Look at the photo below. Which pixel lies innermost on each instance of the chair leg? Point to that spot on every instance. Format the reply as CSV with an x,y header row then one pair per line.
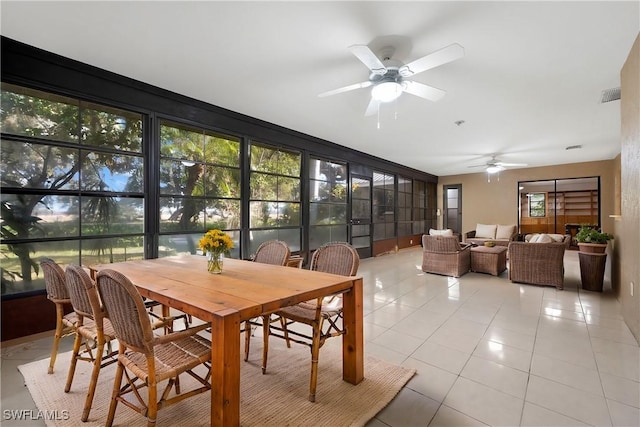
x,y
283,324
74,360
93,383
117,381
315,352
247,339
265,341
166,312
177,384
152,405
56,337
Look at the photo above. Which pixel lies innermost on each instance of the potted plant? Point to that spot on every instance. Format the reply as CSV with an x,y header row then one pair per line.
x,y
591,240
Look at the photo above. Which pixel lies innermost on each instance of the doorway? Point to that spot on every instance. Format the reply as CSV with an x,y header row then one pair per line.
x,y
452,204
360,224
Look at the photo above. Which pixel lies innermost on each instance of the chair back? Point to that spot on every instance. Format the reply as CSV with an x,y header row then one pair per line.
x,y
441,244
336,258
54,280
83,294
124,307
273,252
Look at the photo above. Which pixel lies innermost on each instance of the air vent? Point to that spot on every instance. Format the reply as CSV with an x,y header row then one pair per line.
x,y
574,147
609,95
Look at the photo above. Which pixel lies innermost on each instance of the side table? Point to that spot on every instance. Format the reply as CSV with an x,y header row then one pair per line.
x,y
489,260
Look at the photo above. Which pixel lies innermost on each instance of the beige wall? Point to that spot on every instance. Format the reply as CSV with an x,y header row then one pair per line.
x,y
496,202
629,233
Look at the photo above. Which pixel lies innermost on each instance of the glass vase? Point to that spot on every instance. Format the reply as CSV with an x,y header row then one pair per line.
x,y
215,262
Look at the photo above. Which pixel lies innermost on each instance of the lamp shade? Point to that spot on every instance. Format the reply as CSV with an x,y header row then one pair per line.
x,y
386,92
494,169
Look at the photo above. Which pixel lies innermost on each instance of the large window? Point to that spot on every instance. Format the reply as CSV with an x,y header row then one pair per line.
x,y
419,207
327,202
143,175
199,187
383,206
72,184
274,200
405,196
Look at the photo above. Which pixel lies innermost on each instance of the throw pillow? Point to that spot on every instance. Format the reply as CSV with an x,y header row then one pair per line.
x,y
485,231
557,237
447,232
531,238
541,238
505,231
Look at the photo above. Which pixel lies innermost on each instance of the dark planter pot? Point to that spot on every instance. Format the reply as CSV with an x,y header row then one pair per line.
x,y
592,266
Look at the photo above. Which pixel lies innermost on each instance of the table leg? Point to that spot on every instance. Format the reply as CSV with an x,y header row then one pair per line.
x,y
353,339
225,369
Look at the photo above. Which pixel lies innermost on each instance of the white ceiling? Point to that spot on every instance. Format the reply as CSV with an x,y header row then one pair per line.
x,y
529,85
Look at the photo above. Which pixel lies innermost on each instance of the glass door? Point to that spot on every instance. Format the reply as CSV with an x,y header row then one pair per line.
x,y
453,208
559,206
360,224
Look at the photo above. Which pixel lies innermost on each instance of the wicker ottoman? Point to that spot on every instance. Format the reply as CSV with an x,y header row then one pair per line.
x,y
489,260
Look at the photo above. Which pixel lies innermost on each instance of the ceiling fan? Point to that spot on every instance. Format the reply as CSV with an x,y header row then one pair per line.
x,y
389,77
495,166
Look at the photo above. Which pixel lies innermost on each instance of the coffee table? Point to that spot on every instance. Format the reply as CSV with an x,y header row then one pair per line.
x,y
489,260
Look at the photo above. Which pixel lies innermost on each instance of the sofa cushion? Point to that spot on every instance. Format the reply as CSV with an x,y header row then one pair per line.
x,y
505,231
447,232
486,231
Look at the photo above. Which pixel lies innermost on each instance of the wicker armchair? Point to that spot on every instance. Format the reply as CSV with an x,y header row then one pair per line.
x,y
58,294
274,252
148,359
445,255
324,315
537,263
93,329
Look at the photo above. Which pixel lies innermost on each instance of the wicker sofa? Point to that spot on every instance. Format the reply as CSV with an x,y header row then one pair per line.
x,y
445,255
500,234
537,263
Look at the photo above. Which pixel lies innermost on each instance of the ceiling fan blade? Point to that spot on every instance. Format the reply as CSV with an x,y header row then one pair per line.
x,y
423,91
345,89
511,164
368,58
435,59
372,108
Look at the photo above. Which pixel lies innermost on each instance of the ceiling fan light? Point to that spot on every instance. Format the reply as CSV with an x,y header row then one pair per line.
x,y
493,169
386,92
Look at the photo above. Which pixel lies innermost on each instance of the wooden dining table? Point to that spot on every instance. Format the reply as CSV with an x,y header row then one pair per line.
x,y
243,291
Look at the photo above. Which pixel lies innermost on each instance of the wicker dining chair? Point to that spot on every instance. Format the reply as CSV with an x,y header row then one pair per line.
x,y
57,293
164,319
274,252
93,332
324,315
146,360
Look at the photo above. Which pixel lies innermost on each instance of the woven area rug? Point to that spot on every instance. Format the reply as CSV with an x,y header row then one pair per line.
x,y
278,398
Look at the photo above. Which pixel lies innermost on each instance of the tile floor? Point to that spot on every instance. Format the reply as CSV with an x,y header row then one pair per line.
x,y
487,351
